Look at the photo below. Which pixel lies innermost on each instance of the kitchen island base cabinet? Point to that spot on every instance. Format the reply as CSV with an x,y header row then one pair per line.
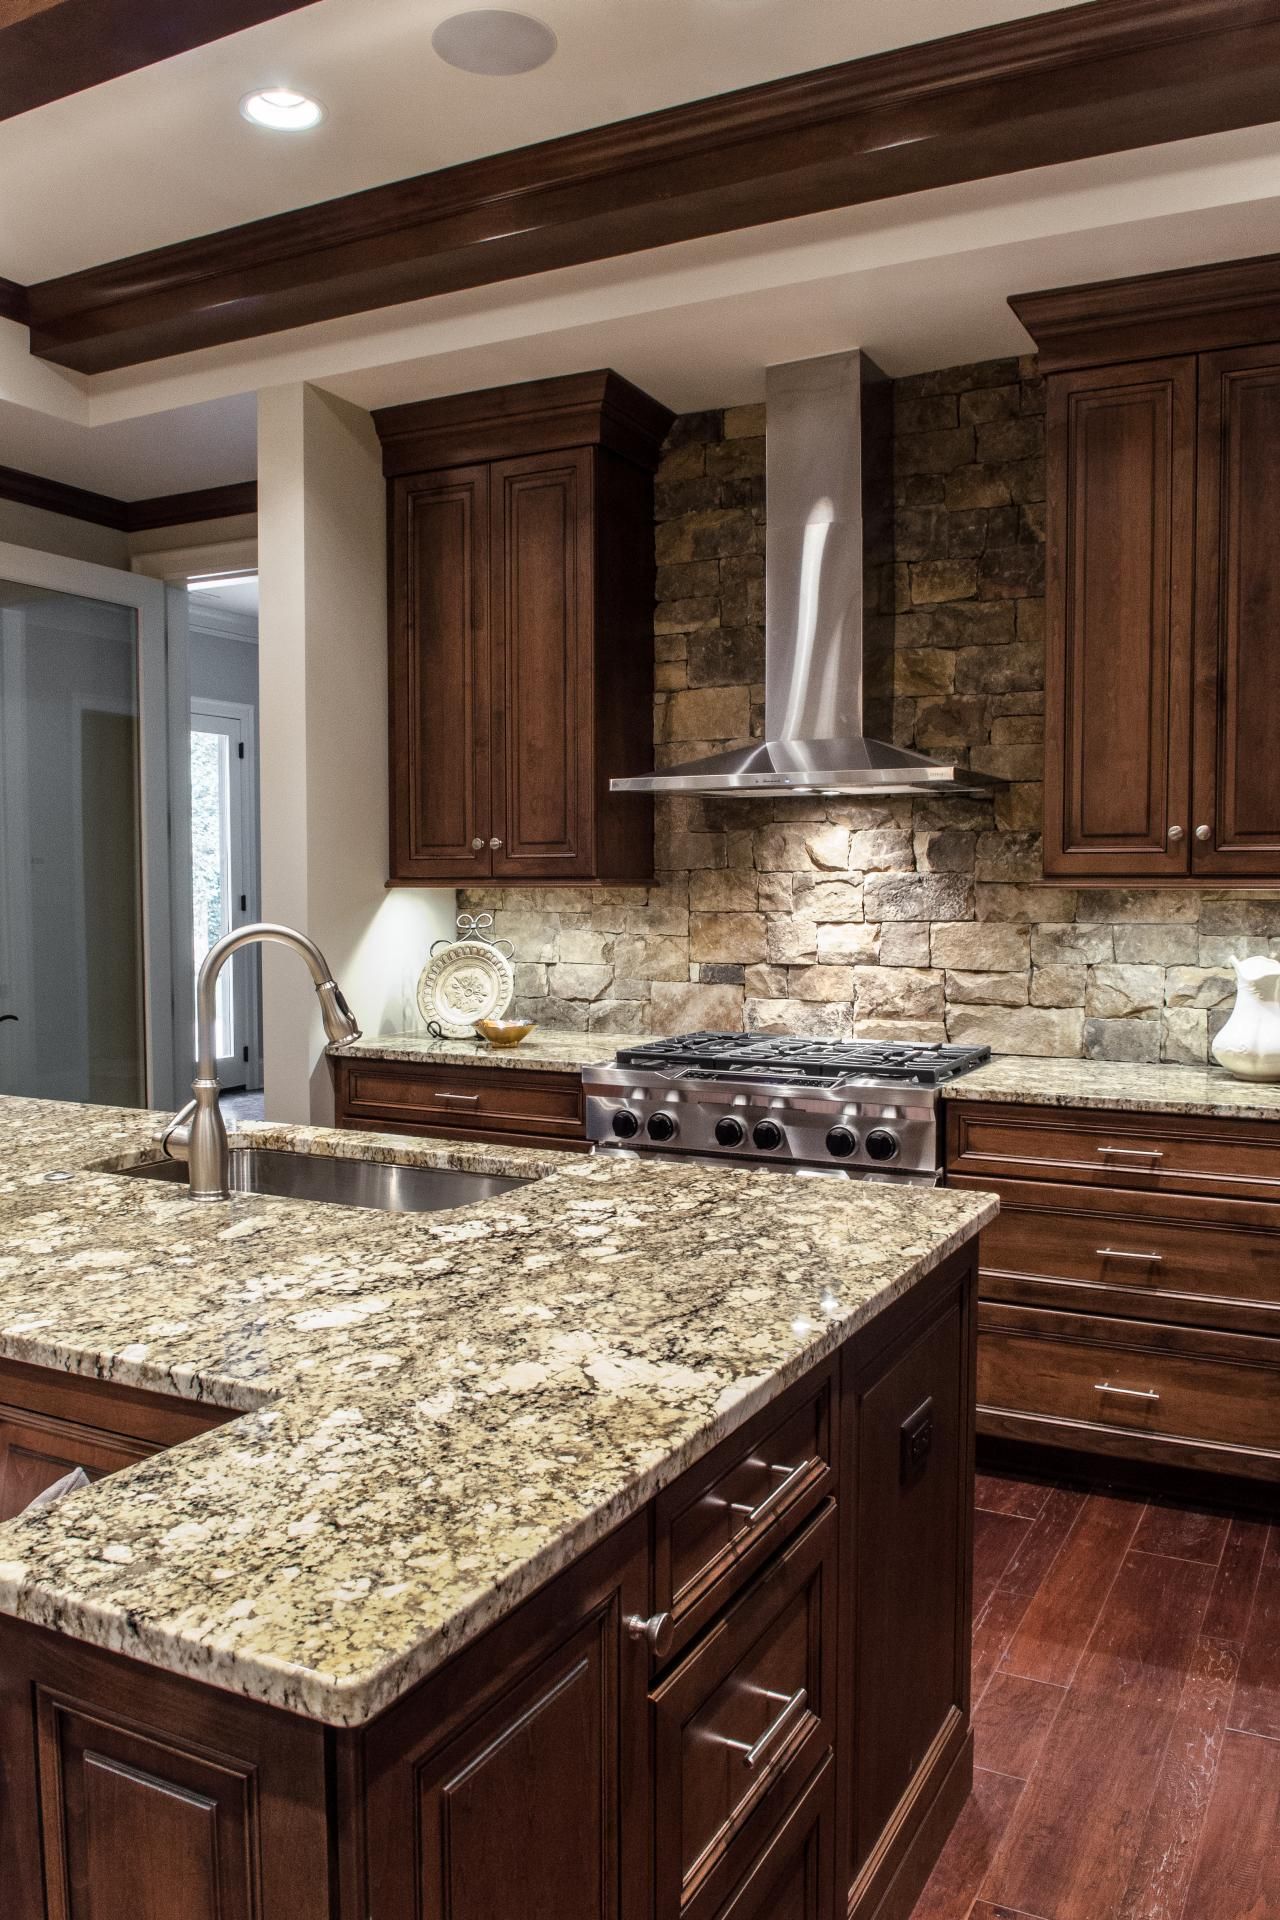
x,y
662,1732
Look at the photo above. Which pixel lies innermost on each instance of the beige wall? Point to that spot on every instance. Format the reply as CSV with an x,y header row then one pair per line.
x,y
323,689
23,526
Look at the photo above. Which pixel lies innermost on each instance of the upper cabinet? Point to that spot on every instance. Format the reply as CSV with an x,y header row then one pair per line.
x,y
1163,580
521,610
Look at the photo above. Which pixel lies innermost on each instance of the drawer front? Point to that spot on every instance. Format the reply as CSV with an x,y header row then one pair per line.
x,y
1135,1256
1149,1153
743,1720
1148,1393
502,1100
792,1878
722,1519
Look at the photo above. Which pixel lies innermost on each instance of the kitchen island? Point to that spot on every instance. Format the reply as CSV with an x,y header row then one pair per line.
x,y
602,1549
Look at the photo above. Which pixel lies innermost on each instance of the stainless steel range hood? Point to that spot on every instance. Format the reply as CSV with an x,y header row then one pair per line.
x,y
828,602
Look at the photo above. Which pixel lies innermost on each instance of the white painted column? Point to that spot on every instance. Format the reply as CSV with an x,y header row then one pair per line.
x,y
323,715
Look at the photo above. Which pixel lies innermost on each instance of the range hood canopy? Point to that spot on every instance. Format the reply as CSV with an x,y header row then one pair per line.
x,y
828,602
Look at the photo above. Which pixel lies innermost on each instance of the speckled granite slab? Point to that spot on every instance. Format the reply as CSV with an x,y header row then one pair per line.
x,y
438,1411
550,1051
1118,1087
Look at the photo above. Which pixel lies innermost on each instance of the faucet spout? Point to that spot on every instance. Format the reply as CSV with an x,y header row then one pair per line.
x,y
198,1134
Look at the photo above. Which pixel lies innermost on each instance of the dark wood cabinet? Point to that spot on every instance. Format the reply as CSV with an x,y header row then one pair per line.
x,y
512,1106
1162,578
521,619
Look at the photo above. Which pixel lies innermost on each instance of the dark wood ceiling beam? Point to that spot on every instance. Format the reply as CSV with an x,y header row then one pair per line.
x,y
1099,78
127,516
51,48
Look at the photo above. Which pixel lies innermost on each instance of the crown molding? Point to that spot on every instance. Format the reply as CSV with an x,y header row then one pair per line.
x,y
126,516
1192,310
535,416
51,48
1103,77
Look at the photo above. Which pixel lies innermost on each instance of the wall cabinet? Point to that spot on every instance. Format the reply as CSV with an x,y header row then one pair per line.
x,y
676,1727
1162,583
521,631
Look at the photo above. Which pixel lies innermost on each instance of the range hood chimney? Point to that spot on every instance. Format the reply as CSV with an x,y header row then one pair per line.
x,y
828,602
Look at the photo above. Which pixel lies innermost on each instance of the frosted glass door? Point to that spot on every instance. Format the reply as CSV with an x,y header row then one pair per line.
x,y
72,988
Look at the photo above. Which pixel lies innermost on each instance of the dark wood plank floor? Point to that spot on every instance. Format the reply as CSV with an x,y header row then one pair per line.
x,y
1126,1685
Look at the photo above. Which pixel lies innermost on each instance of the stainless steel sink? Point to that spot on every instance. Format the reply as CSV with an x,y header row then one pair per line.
x,y
346,1183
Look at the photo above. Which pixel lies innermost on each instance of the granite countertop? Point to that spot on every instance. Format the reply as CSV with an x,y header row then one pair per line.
x,y
437,1411
1119,1087
548,1052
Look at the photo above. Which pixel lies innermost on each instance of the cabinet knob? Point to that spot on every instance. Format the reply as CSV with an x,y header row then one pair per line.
x,y
1175,833
476,845
1204,833
495,844
659,1630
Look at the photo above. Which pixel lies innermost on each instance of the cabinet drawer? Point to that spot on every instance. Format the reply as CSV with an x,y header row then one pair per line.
x,y
1137,1391
743,1720
793,1877
476,1100
723,1518
1153,1153
1140,1256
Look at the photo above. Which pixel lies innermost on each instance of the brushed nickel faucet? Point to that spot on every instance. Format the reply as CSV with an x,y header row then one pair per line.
x,y
198,1133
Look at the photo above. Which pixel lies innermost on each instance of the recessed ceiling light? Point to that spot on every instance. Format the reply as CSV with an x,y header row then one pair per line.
x,y
492,41
282,109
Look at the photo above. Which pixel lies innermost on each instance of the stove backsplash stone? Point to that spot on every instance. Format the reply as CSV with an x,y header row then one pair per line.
x,y
894,919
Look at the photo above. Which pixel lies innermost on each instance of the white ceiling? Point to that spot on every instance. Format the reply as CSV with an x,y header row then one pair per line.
x,y
163,154
239,596
212,444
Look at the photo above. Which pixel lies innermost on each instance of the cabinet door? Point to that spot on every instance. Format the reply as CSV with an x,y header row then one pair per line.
x,y
439,691
1236,813
1119,597
518,1784
542,593
34,1453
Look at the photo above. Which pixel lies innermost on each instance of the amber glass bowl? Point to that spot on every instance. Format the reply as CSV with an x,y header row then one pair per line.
x,y
504,1033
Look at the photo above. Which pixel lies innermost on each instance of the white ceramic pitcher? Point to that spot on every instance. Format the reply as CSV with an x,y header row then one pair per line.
x,y
1249,1044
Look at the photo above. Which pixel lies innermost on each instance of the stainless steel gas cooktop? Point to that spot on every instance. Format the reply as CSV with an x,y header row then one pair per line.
x,y
863,1109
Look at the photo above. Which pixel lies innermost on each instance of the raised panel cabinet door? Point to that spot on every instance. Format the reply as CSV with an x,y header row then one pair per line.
x,y
1236,810
518,1781
1121,491
34,1453
439,691
542,599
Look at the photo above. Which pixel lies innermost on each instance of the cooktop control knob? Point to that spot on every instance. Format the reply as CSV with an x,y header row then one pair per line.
x,y
730,1132
767,1134
841,1142
625,1124
662,1126
881,1144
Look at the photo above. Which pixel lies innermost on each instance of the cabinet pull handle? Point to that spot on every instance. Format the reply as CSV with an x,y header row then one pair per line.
x,y
476,845
1131,1153
1204,833
1127,1393
1119,1253
1175,833
659,1631
790,1478
460,1099
495,844
794,1705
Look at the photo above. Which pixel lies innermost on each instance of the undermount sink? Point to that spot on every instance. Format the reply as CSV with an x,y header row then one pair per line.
x,y
346,1183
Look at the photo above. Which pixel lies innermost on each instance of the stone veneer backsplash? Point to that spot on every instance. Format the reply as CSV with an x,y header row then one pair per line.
x,y
901,918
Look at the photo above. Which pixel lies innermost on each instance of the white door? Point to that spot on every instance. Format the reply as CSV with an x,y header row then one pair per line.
x,y
224,882
87,900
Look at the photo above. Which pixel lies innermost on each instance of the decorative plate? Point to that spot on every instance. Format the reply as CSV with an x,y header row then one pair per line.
x,y
466,981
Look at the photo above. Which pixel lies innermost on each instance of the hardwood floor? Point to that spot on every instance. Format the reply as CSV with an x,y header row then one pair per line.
x,y
1126,1713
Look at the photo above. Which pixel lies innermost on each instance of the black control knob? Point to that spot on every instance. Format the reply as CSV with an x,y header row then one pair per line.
x,y
881,1144
730,1132
625,1124
842,1142
767,1134
662,1126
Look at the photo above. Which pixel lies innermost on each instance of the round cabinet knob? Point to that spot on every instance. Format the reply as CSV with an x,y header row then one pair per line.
x,y
495,844
476,845
730,1133
1175,833
662,1126
659,1630
767,1134
841,1142
881,1144
625,1124
1204,833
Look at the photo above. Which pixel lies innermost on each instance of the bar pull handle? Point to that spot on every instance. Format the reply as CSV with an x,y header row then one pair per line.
x,y
460,1099
793,1706
1128,1393
791,1477
1131,1153
1120,1253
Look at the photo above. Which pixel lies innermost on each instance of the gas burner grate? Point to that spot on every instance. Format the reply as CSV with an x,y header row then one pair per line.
x,y
799,1060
